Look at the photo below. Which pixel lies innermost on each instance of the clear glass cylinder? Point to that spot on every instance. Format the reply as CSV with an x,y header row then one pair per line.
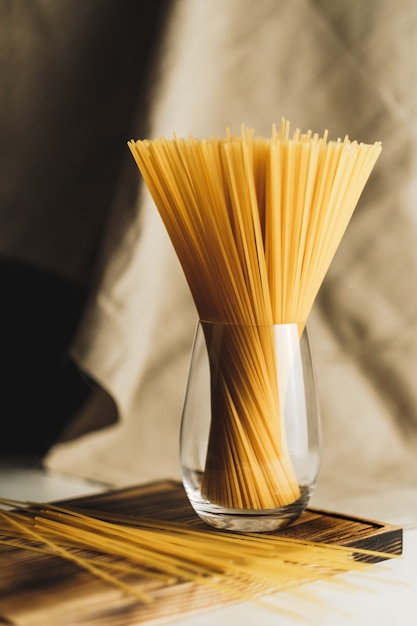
x,y
250,428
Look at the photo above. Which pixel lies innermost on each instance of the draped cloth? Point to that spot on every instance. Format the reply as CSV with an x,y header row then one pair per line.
x,y
347,67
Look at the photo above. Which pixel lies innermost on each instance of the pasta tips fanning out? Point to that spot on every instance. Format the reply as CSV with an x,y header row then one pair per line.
x,y
255,223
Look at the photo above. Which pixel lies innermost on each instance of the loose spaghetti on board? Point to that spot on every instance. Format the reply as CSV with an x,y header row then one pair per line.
x,y
139,555
255,223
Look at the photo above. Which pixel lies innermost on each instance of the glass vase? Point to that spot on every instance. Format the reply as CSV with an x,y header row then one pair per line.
x,y
250,427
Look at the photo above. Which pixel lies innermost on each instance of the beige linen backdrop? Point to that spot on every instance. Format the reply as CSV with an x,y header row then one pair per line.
x,y
349,67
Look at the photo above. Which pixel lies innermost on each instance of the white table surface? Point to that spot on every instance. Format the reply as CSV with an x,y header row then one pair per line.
x,y
388,598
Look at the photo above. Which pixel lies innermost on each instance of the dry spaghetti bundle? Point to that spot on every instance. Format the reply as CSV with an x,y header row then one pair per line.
x,y
255,223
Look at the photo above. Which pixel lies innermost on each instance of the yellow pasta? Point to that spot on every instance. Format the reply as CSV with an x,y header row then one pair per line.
x,y
137,548
255,223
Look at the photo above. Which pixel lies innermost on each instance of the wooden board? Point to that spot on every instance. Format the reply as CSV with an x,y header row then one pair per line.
x,y
41,590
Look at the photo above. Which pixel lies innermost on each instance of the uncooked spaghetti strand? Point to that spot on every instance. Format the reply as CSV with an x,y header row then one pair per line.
x,y
287,184
325,173
176,230
252,167
187,253
219,234
260,478
258,413
273,237
309,163
63,552
363,163
246,233
334,209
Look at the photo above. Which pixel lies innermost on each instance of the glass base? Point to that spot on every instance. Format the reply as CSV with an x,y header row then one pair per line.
x,y
247,521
